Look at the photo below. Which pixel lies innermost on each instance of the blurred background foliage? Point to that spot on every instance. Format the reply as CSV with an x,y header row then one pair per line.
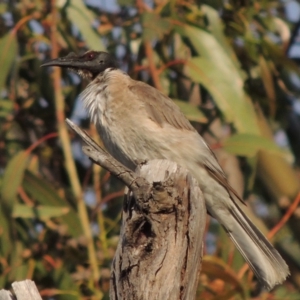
x,y
231,66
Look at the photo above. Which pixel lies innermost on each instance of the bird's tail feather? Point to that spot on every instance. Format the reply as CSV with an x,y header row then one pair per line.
x,y
264,260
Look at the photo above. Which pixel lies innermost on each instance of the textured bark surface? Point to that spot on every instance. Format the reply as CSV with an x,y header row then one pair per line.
x,y
160,249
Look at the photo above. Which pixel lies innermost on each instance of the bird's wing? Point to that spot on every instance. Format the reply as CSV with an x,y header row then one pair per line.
x,y
171,114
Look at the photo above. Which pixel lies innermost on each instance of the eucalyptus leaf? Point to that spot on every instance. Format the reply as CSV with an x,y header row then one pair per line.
x,y
83,18
8,54
13,177
45,194
41,212
216,71
248,145
154,26
190,111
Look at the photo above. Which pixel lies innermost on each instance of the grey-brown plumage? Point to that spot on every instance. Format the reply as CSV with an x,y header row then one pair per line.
x,y
137,122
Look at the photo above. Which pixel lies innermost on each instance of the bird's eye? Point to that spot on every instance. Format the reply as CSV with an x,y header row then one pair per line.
x,y
90,55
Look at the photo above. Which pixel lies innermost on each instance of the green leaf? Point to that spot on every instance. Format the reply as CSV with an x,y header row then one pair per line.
x,y
126,2
248,145
216,27
216,71
267,79
41,212
154,26
41,191
19,270
5,237
82,17
11,181
9,51
3,8
6,107
67,288
190,111
13,177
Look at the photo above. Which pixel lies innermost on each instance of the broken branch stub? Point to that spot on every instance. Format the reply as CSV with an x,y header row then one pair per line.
x,y
160,249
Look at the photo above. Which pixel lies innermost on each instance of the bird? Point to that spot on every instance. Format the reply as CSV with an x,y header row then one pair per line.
x,y
137,122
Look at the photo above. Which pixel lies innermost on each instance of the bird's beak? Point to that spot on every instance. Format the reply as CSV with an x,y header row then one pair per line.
x,y
69,61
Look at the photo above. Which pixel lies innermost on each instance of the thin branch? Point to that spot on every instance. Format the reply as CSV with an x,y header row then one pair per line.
x,y
285,218
40,141
170,64
26,199
100,157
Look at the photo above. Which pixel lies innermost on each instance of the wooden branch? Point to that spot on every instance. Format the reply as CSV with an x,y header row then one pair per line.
x,y
99,156
160,248
24,290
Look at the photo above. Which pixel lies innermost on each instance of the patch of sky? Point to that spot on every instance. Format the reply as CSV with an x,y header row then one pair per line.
x,y
8,19
110,6
79,113
90,197
259,207
36,27
43,103
292,10
75,78
296,106
79,155
211,243
117,32
281,139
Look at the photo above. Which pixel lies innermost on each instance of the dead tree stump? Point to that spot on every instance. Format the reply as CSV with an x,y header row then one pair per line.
x,y
164,216
160,248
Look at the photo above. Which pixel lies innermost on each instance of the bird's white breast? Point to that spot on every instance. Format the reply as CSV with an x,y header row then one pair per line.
x,y
94,98
104,103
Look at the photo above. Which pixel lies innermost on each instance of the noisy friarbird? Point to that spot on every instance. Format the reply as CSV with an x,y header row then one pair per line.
x,y
137,122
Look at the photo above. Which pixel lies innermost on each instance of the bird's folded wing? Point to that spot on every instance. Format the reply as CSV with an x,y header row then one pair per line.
x,y
169,113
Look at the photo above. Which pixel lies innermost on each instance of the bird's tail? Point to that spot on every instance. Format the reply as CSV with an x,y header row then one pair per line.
x,y
266,263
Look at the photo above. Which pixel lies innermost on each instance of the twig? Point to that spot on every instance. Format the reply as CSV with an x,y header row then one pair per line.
x,y
26,199
170,64
285,218
111,196
99,156
41,140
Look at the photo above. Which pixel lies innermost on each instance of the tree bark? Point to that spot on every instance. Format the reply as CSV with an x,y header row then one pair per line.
x,y
164,216
160,248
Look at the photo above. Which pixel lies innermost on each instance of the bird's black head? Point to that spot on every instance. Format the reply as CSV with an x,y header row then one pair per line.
x,y
88,65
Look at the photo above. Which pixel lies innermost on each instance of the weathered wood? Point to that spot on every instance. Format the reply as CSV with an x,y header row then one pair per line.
x,y
6,295
160,249
26,290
